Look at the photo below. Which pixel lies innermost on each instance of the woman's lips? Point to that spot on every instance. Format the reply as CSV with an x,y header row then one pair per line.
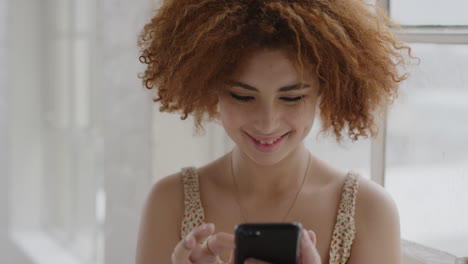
x,y
267,139
268,147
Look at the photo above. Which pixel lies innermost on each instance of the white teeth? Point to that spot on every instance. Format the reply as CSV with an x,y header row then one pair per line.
x,y
268,142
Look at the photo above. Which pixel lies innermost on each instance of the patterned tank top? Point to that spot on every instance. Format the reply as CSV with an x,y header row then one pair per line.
x,y
343,233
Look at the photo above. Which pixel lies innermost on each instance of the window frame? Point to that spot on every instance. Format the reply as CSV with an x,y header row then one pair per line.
x,y
435,34
415,34
409,34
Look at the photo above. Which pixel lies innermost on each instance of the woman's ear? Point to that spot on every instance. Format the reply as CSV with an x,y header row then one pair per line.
x,y
319,98
217,115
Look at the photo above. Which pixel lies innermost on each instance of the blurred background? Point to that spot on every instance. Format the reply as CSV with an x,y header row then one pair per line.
x,y
81,142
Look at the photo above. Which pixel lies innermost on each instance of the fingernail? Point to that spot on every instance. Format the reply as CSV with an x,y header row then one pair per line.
x,y
312,232
207,226
188,243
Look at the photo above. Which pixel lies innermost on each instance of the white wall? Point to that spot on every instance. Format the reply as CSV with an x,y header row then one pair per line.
x,y
25,112
3,118
175,146
123,108
9,253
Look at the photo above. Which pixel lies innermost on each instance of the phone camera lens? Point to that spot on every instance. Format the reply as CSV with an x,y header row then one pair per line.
x,y
250,233
244,233
254,233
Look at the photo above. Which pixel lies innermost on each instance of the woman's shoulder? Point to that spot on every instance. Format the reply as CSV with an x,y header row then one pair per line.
x,y
167,185
372,199
375,207
377,224
167,194
160,221
172,186
166,197
368,193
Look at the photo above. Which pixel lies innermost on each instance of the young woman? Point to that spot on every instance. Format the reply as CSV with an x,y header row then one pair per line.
x,y
263,69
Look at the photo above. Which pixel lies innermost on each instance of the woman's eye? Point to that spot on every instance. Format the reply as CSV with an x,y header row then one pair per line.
x,y
241,98
249,98
292,99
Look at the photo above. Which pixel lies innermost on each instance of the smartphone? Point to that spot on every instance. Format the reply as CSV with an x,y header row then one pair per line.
x,y
276,243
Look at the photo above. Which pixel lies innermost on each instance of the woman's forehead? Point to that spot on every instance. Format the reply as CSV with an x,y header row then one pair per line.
x,y
270,65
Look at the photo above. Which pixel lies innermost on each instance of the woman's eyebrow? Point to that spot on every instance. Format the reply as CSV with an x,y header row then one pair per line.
x,y
296,86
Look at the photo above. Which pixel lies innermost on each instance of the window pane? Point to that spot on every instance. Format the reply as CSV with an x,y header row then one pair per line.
x,y
427,149
429,12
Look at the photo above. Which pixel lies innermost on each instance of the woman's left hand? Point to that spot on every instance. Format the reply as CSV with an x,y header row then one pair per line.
x,y
308,253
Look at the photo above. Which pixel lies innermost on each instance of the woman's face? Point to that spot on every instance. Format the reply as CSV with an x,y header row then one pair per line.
x,y
263,110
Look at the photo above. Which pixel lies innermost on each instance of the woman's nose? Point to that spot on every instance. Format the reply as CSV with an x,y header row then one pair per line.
x,y
266,119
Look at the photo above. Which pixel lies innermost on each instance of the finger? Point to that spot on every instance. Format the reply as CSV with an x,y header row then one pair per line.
x,y
186,246
200,233
309,253
182,251
255,261
312,237
219,243
214,246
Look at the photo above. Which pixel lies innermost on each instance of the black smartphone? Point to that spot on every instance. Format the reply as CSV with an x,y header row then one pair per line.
x,y
271,242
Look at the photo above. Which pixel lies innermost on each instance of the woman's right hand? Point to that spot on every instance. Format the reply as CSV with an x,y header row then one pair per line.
x,y
191,250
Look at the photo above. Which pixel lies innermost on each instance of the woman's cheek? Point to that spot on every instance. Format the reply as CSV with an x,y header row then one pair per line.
x,y
233,115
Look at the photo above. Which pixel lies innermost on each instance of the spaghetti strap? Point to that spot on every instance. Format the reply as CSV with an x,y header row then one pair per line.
x,y
344,231
193,212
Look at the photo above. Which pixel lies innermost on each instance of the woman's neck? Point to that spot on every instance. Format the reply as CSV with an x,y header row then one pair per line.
x,y
274,180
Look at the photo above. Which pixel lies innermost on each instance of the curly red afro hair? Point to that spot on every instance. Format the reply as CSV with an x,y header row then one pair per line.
x,y
192,46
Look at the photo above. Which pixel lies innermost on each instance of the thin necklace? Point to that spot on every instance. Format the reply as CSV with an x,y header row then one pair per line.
x,y
290,207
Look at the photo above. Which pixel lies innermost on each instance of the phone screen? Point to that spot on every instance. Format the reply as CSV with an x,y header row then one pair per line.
x,y
271,242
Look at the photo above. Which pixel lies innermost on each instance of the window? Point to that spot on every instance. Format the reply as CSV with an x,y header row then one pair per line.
x,y
421,154
427,149
426,146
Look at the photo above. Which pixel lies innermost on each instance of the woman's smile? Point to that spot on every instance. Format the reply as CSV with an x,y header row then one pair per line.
x,y
268,145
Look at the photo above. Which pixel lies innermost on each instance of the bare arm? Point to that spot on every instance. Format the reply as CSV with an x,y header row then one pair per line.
x,y
377,227
160,222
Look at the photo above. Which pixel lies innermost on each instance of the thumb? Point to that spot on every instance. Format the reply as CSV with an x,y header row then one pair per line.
x,y
309,252
231,258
